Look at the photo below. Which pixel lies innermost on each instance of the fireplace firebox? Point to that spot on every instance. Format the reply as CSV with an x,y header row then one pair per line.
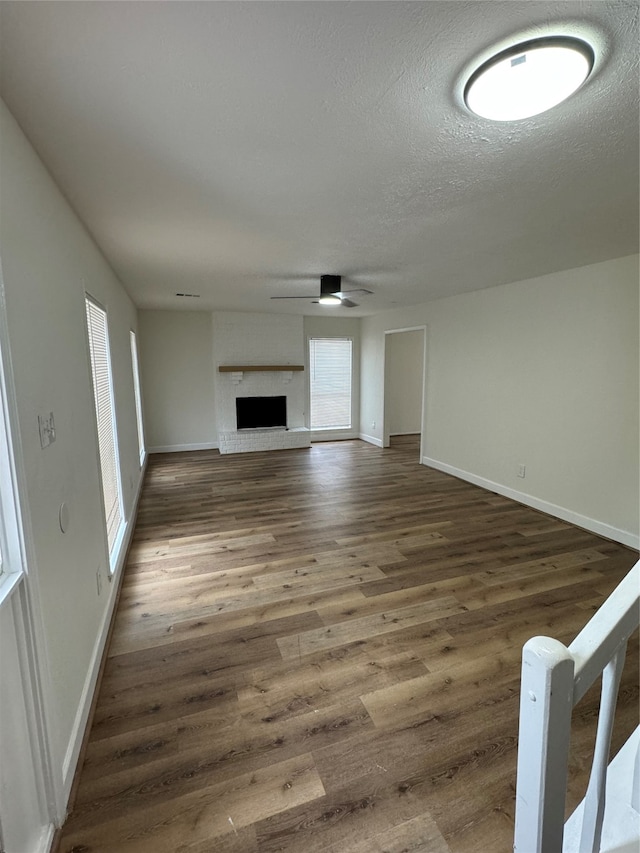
x,y
261,412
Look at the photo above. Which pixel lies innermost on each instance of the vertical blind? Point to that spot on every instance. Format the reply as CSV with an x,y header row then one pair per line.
x,y
330,383
136,391
105,416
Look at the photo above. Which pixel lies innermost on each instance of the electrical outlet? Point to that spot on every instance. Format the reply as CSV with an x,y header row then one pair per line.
x,y
373,425
99,581
522,470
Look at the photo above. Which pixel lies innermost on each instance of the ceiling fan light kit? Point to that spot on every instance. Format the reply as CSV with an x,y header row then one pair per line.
x,y
330,284
529,78
331,293
329,289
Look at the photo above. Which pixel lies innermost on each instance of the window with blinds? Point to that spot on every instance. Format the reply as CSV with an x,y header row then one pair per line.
x,y
11,534
105,417
330,383
136,391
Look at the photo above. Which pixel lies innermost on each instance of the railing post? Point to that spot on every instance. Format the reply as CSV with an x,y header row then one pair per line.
x,y
546,702
594,799
635,785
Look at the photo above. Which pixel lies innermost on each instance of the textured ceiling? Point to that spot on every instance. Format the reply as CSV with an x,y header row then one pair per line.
x,y
239,150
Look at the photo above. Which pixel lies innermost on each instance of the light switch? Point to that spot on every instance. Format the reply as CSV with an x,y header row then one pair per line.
x,y
47,429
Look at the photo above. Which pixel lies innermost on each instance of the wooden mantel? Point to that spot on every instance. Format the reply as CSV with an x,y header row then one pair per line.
x,y
244,368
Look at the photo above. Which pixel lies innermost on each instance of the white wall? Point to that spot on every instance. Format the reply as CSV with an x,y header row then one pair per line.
x,y
404,360
542,373
187,400
176,375
48,262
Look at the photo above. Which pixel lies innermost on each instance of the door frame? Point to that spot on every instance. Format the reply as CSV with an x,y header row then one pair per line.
x,y
21,595
386,438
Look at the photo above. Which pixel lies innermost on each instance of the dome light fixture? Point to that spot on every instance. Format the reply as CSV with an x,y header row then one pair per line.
x,y
529,78
330,300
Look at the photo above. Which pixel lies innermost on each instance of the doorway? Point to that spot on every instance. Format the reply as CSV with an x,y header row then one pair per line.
x,y
404,388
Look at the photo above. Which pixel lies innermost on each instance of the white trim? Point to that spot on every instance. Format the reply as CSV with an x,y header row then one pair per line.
x,y
625,537
33,702
406,329
608,629
386,437
8,582
370,439
406,432
34,643
45,842
84,707
12,554
38,655
180,448
137,394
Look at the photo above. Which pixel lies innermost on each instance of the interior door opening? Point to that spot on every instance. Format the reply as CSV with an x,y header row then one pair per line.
x,y
404,389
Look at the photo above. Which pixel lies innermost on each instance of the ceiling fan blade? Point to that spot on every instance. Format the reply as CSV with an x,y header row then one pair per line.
x,y
361,290
330,286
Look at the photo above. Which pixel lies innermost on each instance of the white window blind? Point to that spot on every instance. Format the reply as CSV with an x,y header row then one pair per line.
x,y
330,383
136,391
105,416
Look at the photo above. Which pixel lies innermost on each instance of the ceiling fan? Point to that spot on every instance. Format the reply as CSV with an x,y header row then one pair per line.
x,y
331,293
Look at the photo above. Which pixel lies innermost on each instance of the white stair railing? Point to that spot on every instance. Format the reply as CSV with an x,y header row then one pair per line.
x,y
554,679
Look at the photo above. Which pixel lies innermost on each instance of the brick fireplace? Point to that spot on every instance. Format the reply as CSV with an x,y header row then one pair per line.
x,y
258,355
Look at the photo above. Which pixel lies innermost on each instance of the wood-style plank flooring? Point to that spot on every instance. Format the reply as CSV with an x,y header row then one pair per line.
x,y
318,651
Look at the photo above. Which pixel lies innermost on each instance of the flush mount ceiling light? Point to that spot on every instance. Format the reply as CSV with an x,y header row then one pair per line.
x,y
529,78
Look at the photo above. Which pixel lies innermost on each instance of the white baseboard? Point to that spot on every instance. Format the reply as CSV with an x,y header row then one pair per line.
x,y
371,439
84,707
46,839
181,448
625,537
406,432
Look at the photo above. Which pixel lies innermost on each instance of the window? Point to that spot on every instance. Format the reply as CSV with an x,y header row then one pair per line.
x,y
11,542
105,417
330,383
136,391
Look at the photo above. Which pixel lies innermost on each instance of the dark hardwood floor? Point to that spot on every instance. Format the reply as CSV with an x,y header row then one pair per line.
x,y
319,650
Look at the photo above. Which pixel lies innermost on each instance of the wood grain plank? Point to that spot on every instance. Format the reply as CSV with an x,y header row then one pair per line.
x,y
206,813
418,835
319,652
357,629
